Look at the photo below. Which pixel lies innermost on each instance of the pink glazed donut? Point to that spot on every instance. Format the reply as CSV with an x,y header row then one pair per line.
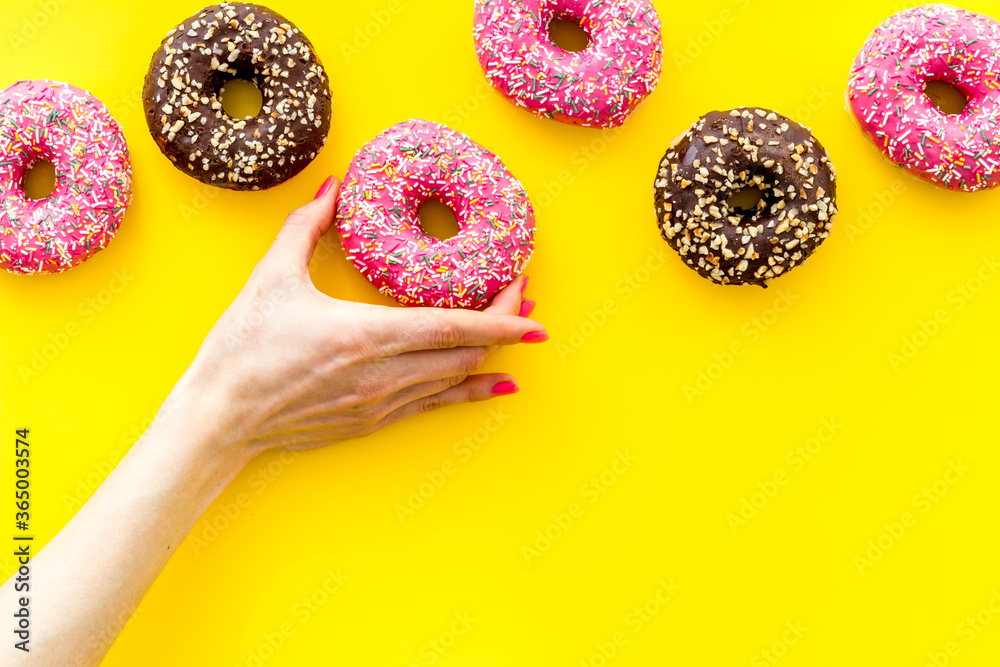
x,y
48,120
597,87
400,169
886,94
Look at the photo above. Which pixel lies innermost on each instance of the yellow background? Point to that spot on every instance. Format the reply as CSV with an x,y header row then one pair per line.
x,y
899,253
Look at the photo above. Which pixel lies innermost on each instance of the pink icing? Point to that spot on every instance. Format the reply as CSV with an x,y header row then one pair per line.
x,y
76,133
597,87
886,94
397,171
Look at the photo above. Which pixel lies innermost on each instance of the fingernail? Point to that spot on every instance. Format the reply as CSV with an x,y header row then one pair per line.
x,y
526,307
323,189
534,337
524,285
505,388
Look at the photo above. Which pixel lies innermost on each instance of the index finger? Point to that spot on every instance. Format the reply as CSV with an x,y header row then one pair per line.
x,y
399,330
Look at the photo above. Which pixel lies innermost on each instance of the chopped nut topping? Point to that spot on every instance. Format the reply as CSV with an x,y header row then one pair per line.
x,y
729,245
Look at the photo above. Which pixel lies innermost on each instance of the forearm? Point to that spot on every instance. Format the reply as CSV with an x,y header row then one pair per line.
x,y
90,578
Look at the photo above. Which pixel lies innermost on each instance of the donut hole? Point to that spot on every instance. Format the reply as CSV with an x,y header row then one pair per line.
x,y
746,201
437,219
241,98
568,34
39,180
946,97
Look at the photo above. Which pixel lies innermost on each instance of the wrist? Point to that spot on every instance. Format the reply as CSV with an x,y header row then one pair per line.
x,y
198,419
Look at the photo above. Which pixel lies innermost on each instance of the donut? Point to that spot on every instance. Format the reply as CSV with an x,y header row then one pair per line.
x,y
69,127
887,99
720,155
598,87
236,40
377,215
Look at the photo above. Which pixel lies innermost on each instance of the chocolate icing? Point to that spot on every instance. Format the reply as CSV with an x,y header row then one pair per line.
x,y
185,116
723,153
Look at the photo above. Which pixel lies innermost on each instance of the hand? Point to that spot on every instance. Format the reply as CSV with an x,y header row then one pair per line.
x,y
290,367
285,366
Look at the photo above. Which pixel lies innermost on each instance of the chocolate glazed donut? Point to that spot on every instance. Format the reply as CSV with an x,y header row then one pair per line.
x,y
720,155
184,114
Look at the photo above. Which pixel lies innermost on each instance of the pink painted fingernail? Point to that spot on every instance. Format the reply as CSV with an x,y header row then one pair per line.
x,y
524,285
534,337
323,189
526,307
505,388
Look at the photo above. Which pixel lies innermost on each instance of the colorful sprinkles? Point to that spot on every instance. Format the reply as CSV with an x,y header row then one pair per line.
x,y
400,169
185,115
723,153
886,94
58,122
597,87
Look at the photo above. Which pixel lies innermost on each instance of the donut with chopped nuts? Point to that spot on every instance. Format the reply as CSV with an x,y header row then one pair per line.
x,y
724,153
235,40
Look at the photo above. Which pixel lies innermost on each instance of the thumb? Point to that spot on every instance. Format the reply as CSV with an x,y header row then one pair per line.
x,y
304,227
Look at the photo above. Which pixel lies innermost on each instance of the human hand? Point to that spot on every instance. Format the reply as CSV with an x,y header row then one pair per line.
x,y
287,366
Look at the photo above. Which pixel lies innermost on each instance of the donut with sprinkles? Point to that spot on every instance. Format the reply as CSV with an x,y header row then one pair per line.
x,y
724,153
597,87
886,95
70,128
377,215
237,40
